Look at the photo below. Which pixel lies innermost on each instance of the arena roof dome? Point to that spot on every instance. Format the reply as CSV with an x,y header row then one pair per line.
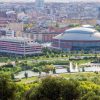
x,y
79,33
81,30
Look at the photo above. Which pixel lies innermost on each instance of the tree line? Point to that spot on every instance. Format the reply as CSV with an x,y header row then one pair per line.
x,y
49,88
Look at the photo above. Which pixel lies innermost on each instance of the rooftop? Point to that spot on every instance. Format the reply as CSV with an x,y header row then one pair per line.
x,y
81,30
14,39
79,33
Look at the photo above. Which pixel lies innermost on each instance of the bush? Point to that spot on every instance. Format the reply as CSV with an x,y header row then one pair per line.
x,y
91,96
55,88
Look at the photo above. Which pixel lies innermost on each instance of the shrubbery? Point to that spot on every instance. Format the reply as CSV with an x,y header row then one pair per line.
x,y
57,88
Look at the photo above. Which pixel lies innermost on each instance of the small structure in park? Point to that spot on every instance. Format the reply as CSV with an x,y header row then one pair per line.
x,y
73,68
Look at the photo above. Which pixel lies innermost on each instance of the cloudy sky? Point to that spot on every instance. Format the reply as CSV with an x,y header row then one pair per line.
x,y
46,0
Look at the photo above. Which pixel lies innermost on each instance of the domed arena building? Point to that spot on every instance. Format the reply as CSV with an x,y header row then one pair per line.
x,y
79,38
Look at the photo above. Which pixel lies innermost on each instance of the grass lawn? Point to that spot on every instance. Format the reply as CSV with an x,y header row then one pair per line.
x,y
87,75
28,80
78,76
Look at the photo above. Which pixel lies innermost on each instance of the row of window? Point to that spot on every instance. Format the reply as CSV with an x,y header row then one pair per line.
x,y
85,44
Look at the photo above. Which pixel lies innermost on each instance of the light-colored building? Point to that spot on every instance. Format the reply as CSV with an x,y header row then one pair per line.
x,y
42,37
15,26
6,32
39,4
80,21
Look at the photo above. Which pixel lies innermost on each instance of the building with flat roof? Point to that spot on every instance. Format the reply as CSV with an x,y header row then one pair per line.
x,y
19,46
39,4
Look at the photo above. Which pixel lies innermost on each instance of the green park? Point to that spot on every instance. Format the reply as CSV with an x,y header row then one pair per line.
x,y
33,78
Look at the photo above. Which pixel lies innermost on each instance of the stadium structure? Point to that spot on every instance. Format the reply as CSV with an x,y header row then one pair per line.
x,y
80,38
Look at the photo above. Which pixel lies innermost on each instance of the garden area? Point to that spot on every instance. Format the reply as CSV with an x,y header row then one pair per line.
x,y
46,64
34,78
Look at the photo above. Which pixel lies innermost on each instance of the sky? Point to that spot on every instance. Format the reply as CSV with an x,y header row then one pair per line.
x,y
47,0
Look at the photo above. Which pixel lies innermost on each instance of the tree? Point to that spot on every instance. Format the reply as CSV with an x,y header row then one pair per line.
x,y
7,88
12,76
9,61
37,70
54,71
98,27
16,62
26,75
55,88
68,69
83,69
48,68
49,89
71,90
91,96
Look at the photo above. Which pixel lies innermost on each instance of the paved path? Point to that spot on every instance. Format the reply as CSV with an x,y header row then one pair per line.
x,y
1,64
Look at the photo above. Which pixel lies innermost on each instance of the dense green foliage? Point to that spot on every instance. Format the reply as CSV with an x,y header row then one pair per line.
x,y
72,86
7,88
97,27
50,88
55,89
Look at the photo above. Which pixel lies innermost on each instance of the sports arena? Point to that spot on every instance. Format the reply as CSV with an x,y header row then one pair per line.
x,y
80,38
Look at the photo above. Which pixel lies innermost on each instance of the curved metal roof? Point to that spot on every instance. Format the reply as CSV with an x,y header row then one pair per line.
x,y
79,34
81,30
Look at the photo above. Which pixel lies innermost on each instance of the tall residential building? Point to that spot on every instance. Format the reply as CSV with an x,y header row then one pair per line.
x,y
98,13
98,18
39,4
